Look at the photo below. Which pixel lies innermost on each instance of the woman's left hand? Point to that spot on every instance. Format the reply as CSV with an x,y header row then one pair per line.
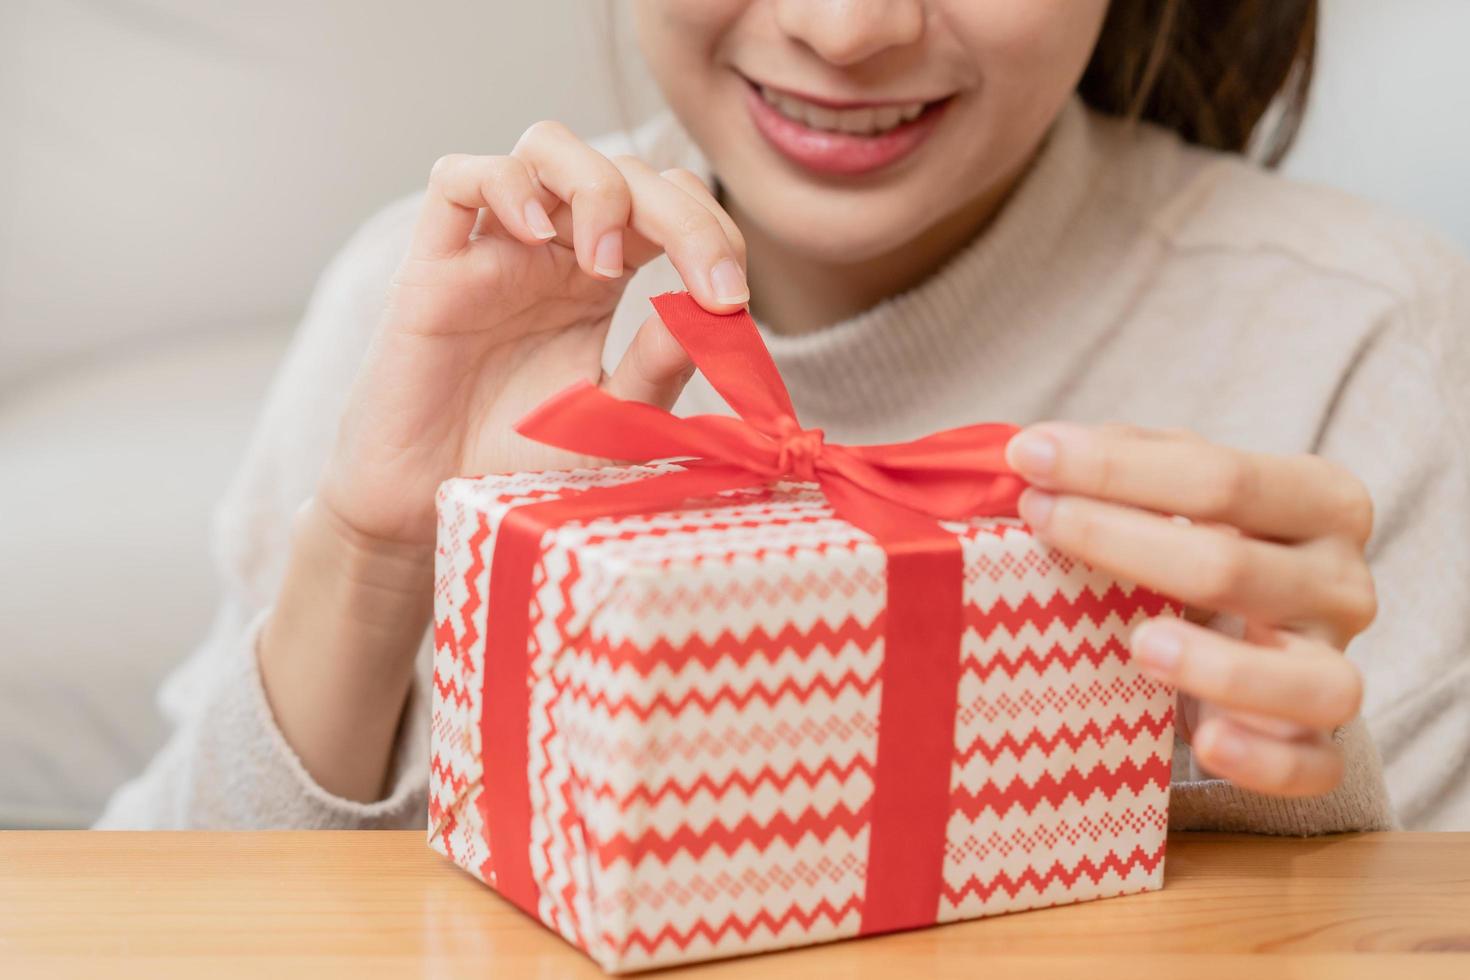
x,y
1277,540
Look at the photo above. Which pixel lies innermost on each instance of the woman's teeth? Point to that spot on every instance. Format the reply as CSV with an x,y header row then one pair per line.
x,y
860,122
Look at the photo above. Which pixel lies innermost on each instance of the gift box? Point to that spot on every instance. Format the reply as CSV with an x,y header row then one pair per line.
x,y
764,691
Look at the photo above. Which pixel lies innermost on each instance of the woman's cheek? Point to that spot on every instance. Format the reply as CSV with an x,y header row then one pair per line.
x,y
682,43
680,25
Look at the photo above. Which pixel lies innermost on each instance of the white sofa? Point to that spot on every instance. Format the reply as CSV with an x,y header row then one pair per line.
x,y
181,171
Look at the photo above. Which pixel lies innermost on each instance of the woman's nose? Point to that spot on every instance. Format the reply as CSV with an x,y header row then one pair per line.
x,y
846,32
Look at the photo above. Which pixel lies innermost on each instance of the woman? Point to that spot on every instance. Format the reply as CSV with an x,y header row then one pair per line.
x,y
950,211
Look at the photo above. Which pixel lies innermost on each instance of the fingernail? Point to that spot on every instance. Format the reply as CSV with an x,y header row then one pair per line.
x,y
607,260
1226,748
1157,647
729,283
539,221
1032,452
1036,506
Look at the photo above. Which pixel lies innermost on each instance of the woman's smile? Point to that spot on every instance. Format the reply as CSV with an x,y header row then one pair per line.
x,y
873,135
837,138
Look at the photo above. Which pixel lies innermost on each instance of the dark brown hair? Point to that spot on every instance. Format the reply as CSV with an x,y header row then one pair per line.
x,y
1214,71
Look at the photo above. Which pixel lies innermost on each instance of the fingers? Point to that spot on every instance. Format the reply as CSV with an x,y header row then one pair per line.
x,y
1298,681
616,213
460,186
654,369
1317,589
1305,767
590,185
608,198
673,221
695,188
1286,497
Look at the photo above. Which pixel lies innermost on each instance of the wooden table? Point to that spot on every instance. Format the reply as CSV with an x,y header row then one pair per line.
x,y
282,905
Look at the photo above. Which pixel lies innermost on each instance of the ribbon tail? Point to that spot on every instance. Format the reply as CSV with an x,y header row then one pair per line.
x,y
980,446
582,418
947,486
729,350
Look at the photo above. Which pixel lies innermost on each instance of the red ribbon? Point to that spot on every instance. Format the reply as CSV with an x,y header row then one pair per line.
x,y
896,492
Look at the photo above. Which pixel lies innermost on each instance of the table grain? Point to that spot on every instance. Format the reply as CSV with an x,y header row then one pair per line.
x,y
363,904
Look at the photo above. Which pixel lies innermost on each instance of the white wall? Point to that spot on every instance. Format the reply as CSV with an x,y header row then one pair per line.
x,y
1390,113
181,165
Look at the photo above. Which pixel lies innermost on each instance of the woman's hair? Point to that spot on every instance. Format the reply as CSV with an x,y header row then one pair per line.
x,y
1208,69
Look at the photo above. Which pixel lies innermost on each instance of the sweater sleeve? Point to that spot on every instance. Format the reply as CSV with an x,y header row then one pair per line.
x,y
1360,801
1399,421
226,764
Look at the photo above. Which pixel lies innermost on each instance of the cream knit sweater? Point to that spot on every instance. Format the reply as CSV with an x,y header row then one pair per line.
x,y
1129,278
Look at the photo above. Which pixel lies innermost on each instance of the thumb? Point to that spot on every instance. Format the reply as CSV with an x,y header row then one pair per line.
x,y
654,369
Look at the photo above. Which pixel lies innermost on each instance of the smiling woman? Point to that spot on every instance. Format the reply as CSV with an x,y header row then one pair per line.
x,y
989,79
940,212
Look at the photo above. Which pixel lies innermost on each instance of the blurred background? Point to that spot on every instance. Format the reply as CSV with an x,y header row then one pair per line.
x,y
175,173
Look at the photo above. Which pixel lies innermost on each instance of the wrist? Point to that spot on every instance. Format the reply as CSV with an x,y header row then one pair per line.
x,y
377,584
336,655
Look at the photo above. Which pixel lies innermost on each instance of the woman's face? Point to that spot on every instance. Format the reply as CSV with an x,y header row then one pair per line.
x,y
845,128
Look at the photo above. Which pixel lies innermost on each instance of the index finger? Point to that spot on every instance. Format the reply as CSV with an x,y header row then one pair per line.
x,y
1286,497
690,183
673,221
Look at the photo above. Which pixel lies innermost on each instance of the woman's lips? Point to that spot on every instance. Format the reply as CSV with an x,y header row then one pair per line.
x,y
839,154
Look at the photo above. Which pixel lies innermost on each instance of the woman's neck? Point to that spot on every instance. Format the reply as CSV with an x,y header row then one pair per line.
x,y
794,293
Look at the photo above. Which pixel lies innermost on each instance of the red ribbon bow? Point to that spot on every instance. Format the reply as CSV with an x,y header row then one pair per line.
x,y
952,474
896,492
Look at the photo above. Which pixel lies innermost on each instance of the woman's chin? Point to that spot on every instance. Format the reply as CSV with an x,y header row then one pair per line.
x,y
837,241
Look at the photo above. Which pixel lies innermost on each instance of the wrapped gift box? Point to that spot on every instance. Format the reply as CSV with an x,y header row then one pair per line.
x,y
678,718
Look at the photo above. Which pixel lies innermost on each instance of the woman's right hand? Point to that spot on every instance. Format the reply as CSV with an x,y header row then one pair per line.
x,y
505,296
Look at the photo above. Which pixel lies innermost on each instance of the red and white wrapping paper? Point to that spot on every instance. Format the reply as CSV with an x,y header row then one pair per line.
x,y
684,760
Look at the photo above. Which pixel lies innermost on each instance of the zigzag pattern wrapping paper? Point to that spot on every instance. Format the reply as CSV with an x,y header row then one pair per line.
x,y
704,691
